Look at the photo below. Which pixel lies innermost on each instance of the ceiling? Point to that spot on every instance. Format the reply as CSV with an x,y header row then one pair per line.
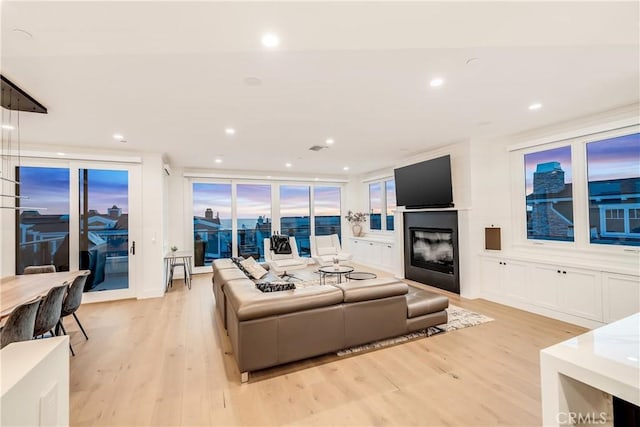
x,y
171,76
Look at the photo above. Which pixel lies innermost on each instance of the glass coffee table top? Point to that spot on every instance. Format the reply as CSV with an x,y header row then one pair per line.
x,y
362,275
339,269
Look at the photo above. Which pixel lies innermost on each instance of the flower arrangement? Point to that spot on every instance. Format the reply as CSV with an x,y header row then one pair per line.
x,y
356,217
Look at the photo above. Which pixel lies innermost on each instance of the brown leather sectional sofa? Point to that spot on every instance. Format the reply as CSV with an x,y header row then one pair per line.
x,y
272,328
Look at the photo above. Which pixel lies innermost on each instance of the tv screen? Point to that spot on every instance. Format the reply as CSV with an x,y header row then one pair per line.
x,y
425,185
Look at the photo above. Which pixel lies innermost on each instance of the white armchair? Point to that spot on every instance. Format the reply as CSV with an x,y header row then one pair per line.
x,y
282,263
325,248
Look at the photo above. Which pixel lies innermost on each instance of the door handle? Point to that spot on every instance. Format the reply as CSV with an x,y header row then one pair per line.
x,y
132,251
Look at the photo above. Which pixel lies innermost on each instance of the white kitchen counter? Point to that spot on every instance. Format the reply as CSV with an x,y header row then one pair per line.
x,y
578,375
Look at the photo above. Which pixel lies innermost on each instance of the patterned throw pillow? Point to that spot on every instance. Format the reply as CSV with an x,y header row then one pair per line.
x,y
238,262
275,286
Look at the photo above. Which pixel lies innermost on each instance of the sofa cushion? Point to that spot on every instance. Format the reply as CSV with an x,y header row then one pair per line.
x,y
421,302
284,263
327,250
249,303
363,290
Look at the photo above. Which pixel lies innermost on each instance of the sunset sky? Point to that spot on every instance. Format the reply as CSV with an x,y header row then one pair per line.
x,y
614,158
49,188
255,200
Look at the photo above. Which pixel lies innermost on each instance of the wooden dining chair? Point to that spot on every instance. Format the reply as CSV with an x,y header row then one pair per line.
x,y
49,311
20,323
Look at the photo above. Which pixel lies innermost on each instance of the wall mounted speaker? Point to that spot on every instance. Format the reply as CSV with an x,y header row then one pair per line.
x,y
492,238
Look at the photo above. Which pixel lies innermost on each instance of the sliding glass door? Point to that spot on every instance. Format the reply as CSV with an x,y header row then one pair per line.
x,y
104,228
79,217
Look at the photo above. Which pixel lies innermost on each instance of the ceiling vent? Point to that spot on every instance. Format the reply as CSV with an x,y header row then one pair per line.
x,y
317,147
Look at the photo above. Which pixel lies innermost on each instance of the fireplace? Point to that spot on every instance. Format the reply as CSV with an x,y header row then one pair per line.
x,y
431,248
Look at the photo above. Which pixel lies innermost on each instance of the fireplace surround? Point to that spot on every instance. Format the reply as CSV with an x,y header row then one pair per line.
x,y
431,248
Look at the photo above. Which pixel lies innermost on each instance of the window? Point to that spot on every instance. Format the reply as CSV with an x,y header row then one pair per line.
x,y
211,222
326,210
549,195
382,205
375,206
253,203
613,174
43,232
390,192
295,215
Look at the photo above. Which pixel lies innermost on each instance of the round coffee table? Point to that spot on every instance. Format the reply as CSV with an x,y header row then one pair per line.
x,y
331,270
361,275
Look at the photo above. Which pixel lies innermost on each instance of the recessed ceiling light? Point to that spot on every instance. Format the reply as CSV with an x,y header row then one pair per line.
x,y
268,176
436,82
8,127
288,165
316,179
346,168
118,137
218,160
535,106
329,141
270,40
230,131
60,154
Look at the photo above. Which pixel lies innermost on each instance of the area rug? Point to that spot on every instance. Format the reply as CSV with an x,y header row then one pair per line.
x,y
458,318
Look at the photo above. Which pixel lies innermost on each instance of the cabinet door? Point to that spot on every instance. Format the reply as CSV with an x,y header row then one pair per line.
x,y
514,281
358,248
580,293
620,296
374,254
387,261
544,286
492,276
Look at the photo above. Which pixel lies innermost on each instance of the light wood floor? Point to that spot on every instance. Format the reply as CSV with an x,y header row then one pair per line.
x,y
166,361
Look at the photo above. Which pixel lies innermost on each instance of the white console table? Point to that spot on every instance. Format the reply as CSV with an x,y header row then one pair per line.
x,y
579,375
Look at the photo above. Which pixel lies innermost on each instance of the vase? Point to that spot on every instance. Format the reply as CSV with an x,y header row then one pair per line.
x,y
357,230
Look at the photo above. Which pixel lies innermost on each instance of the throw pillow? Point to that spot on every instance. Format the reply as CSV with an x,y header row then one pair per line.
x,y
238,262
275,286
256,271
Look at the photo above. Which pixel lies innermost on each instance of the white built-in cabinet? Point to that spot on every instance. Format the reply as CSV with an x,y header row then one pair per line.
x,y
586,296
373,252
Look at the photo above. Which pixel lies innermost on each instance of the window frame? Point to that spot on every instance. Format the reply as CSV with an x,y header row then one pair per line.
x,y
578,142
190,180
383,203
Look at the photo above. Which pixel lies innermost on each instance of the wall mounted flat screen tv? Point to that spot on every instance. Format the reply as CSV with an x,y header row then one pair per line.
x,y
425,185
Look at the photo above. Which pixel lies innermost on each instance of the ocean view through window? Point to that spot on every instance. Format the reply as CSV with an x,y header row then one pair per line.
x,y
212,223
295,215
326,210
253,203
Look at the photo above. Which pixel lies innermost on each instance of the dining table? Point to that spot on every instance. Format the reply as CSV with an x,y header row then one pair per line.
x,y
16,290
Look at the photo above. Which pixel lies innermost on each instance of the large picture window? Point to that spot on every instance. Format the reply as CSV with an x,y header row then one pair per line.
x,y
294,215
326,208
254,224
613,168
211,222
549,194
